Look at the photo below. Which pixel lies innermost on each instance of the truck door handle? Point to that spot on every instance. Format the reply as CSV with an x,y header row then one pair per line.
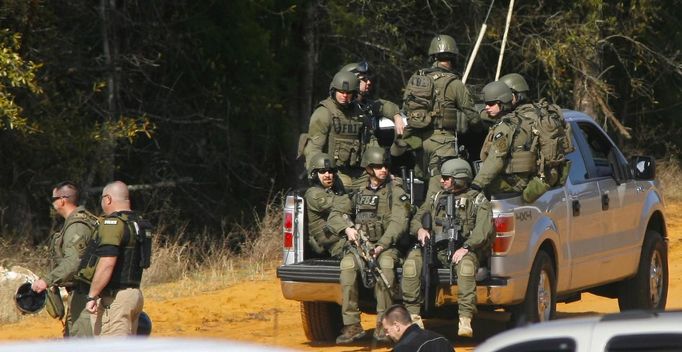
x,y
604,202
576,207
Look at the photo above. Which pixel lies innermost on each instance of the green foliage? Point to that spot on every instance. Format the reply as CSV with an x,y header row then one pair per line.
x,y
15,73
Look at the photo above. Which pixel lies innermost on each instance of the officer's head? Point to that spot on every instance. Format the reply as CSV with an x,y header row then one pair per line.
x,y
518,85
362,71
322,170
29,301
65,197
443,49
498,98
344,87
376,161
455,175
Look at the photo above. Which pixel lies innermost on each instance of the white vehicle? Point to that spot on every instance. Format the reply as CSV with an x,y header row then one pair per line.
x,y
641,331
603,232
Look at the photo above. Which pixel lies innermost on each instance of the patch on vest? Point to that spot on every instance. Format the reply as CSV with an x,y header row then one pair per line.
x,y
110,222
369,200
404,197
500,142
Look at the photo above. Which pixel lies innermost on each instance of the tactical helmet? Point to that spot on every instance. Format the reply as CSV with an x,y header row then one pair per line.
x,y
319,161
374,155
456,168
497,92
29,301
144,325
360,69
344,81
516,82
443,46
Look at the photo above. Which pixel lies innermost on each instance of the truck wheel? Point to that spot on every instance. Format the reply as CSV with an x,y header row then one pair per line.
x,y
540,302
649,288
321,320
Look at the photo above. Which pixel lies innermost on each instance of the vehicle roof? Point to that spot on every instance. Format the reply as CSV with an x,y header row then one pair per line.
x,y
590,331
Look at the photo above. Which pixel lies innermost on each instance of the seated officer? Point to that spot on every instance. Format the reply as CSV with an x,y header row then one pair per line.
x,y
380,218
475,235
325,190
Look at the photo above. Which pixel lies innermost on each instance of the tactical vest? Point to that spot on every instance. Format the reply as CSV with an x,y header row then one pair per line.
x,y
317,222
520,158
80,215
344,138
464,216
133,257
373,210
425,103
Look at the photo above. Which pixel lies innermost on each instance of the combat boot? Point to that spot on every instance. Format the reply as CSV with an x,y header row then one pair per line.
x,y
465,327
380,334
416,319
350,333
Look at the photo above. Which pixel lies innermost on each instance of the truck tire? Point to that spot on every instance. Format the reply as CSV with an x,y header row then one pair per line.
x,y
540,302
648,289
321,320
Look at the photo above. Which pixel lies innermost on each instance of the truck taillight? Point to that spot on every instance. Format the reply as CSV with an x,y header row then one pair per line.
x,y
288,230
504,226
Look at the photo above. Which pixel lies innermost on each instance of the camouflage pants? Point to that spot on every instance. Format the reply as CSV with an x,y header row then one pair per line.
x,y
350,271
411,281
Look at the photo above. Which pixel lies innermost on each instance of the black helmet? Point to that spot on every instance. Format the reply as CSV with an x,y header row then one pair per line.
x,y
144,325
29,301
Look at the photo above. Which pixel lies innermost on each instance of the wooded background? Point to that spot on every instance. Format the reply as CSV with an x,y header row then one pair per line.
x,y
212,94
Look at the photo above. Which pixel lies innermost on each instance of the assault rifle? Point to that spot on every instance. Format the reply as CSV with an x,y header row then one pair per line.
x,y
363,252
408,182
370,123
452,228
429,267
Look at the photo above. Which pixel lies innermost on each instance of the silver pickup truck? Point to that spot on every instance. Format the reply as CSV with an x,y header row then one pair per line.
x,y
603,232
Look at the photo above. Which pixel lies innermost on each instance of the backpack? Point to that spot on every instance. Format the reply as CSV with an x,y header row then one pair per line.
x,y
421,99
552,141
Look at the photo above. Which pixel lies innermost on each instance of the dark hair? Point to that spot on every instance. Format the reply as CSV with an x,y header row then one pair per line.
x,y
74,195
399,313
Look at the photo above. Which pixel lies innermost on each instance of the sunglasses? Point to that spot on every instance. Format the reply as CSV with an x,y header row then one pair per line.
x,y
59,197
324,171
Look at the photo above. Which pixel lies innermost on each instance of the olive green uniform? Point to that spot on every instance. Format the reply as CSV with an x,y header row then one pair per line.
x,y
335,129
475,216
324,239
67,247
382,214
452,103
508,163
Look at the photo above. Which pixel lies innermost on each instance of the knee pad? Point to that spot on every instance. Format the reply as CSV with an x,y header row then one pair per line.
x,y
347,263
386,262
410,268
466,267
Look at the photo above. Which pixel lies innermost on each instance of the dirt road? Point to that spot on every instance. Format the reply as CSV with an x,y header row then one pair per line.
x,y
255,311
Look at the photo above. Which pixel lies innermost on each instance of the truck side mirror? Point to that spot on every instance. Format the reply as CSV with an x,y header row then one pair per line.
x,y
643,167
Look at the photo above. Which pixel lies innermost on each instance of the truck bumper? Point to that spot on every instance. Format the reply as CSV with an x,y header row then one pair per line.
x,y
311,291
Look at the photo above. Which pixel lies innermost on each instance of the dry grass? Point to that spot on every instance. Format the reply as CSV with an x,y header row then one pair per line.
x,y
669,173
182,263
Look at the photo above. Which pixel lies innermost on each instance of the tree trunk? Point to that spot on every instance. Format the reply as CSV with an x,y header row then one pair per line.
x,y
310,39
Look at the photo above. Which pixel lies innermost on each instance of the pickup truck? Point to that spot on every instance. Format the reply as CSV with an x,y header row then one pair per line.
x,y
602,232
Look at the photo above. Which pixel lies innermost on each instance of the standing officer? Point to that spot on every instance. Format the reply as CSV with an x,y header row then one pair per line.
x,y
324,192
381,214
508,163
439,109
367,100
473,227
67,247
335,127
114,262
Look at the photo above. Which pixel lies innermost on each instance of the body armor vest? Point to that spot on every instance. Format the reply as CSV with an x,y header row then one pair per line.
x,y
426,103
373,210
344,138
464,212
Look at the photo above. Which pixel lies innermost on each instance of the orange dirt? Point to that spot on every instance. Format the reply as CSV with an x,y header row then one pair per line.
x,y
255,311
